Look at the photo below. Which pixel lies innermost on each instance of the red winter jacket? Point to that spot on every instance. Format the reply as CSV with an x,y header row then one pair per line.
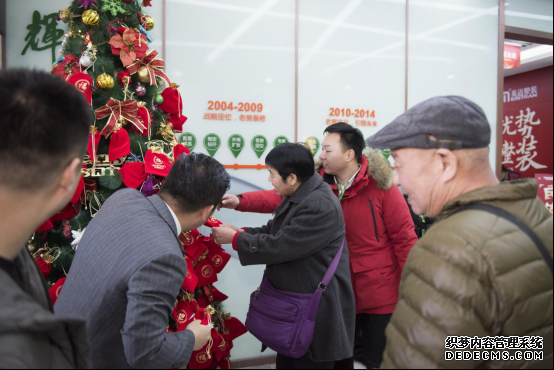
x,y
379,231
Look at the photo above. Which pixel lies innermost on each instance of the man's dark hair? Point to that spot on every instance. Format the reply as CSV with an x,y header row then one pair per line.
x,y
290,159
44,124
350,137
195,182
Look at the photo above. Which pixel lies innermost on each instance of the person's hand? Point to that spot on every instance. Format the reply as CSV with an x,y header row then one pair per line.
x,y
229,201
223,235
202,334
231,227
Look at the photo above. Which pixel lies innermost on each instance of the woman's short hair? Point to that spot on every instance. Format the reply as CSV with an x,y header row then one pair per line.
x,y
289,159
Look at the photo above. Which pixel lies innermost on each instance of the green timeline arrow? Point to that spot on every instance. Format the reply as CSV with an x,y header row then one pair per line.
x,y
313,144
280,140
259,144
188,140
212,143
236,144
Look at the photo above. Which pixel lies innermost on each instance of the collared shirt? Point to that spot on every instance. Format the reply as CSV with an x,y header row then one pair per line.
x,y
177,223
344,188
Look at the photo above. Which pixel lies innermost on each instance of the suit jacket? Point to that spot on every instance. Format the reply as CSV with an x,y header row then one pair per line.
x,y
124,280
298,247
31,337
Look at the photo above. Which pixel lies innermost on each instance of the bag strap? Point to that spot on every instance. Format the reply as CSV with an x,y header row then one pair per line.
x,y
332,269
513,219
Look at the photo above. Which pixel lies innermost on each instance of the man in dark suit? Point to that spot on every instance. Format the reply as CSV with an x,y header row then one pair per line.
x,y
45,124
129,269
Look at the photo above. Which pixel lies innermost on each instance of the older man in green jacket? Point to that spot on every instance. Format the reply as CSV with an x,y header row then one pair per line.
x,y
476,291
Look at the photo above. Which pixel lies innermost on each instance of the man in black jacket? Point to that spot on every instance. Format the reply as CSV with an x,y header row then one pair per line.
x,y
45,124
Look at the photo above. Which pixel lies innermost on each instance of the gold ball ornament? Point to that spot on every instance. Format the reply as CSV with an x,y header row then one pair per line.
x,y
148,22
65,15
32,246
143,75
91,17
105,82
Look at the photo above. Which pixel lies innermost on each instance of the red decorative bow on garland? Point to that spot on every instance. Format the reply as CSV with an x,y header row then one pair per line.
x,y
155,67
116,109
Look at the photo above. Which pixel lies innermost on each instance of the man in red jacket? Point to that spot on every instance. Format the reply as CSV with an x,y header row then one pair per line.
x,y
379,228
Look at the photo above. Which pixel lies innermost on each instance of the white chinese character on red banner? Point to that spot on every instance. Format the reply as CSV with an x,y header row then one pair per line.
x,y
527,149
508,150
508,121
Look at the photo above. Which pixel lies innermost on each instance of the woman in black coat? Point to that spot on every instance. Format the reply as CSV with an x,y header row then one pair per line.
x,y
298,246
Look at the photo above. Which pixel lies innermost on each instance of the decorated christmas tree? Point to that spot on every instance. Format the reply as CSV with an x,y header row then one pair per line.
x,y
137,112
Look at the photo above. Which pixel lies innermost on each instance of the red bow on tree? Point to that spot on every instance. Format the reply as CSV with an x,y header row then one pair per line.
x,y
155,67
116,109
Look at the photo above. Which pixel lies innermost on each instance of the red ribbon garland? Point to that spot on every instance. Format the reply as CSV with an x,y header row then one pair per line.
x,y
155,67
116,109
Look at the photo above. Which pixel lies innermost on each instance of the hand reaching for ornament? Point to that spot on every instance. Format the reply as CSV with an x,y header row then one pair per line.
x,y
224,234
202,334
229,201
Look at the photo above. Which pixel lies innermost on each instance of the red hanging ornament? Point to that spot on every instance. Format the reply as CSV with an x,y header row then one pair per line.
x,y
144,116
179,150
44,267
83,83
157,164
56,290
193,245
120,145
191,280
184,312
205,271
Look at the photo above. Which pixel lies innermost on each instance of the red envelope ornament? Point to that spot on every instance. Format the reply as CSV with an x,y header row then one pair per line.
x,y
205,271
191,280
120,145
144,116
213,222
83,83
220,259
44,267
56,290
173,102
200,359
235,327
183,314
157,164
192,244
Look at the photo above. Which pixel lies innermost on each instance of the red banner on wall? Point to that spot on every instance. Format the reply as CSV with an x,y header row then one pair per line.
x,y
512,56
546,185
528,118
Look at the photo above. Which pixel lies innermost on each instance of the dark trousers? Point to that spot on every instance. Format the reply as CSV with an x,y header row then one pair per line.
x,y
284,362
370,341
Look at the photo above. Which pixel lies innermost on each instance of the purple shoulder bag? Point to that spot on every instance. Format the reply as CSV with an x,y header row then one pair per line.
x,y
285,321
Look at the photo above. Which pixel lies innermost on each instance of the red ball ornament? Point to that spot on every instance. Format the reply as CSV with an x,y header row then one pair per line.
x,y
127,1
